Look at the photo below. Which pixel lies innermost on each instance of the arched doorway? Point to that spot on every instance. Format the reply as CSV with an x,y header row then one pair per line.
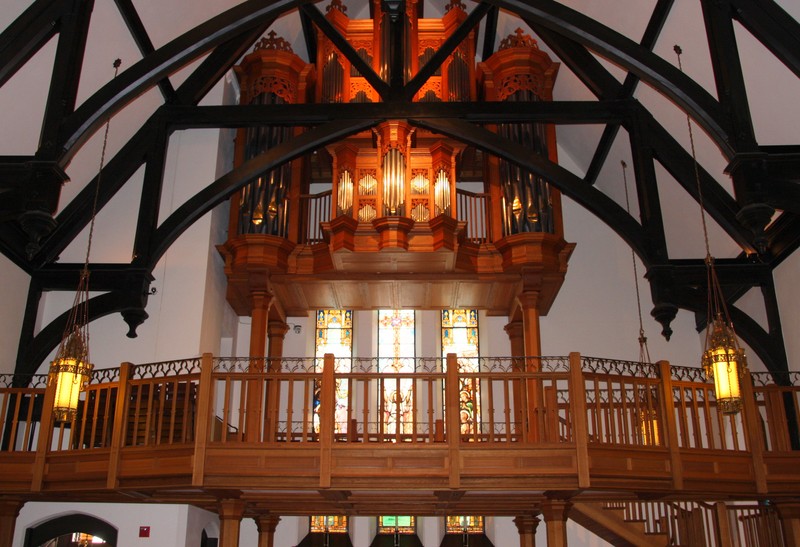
x,y
67,525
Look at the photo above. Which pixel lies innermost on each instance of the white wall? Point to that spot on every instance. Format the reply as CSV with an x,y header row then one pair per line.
x,y
13,295
168,523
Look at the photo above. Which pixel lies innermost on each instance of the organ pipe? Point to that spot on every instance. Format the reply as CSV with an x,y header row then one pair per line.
x,y
441,193
394,169
344,198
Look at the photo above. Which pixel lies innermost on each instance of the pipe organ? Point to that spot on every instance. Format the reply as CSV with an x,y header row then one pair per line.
x,y
392,199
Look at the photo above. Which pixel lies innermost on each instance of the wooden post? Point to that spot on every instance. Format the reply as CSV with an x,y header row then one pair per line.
x,y
9,511
668,412
120,424
452,419
326,419
555,518
577,403
755,434
205,415
45,437
723,525
526,526
230,517
789,513
266,525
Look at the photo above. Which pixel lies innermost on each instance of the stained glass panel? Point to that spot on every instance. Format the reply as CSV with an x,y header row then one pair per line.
x,y
401,524
334,334
461,524
460,336
396,350
334,524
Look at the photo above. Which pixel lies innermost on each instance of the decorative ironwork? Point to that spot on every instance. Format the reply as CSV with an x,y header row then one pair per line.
x,y
788,378
600,365
34,381
524,364
688,374
104,376
273,42
166,368
246,364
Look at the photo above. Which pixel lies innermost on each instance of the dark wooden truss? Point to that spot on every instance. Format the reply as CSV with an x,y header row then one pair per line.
x,y
765,177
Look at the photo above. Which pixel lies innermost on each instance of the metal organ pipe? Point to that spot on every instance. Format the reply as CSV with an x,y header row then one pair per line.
x,y
441,193
394,168
344,198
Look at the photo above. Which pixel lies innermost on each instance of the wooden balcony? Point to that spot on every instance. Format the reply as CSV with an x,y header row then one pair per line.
x,y
585,429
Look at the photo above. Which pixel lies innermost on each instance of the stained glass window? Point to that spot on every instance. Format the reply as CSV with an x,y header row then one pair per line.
x,y
396,524
468,524
460,336
334,334
334,524
396,351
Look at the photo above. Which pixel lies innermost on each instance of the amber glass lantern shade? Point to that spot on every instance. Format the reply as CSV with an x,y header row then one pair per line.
x,y
724,362
69,373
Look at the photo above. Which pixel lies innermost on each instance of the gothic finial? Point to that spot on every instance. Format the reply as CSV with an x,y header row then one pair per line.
x,y
273,41
455,4
518,39
337,5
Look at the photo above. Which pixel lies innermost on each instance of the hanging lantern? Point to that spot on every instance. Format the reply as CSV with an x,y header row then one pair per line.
x,y
724,362
69,373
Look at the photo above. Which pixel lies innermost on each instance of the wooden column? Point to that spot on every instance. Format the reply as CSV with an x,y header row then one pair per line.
x,y
526,525
262,300
258,342
789,513
276,330
555,518
266,525
529,304
230,517
516,333
9,511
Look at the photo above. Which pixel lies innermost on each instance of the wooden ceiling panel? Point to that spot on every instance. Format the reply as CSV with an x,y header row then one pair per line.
x,y
414,295
382,295
442,295
319,295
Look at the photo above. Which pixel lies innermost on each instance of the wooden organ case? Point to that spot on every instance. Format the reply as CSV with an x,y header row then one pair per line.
x,y
394,226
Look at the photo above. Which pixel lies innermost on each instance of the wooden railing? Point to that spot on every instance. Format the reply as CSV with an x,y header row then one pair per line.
x,y
474,209
315,208
690,523
664,415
